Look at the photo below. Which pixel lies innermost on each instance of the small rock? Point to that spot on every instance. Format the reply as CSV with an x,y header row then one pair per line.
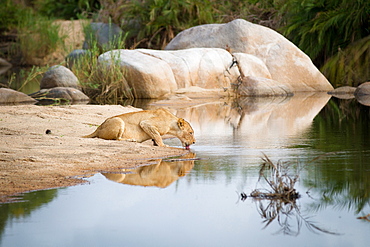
x,y
10,96
59,76
60,93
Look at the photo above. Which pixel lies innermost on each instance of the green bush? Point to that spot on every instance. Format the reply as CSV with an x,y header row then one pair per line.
x,y
351,65
9,14
104,84
153,23
66,9
332,33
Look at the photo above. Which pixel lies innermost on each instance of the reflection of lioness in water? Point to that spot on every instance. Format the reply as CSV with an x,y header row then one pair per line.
x,y
144,125
161,174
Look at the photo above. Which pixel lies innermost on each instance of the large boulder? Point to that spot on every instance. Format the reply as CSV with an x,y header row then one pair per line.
x,y
10,96
250,65
153,74
59,76
285,62
205,68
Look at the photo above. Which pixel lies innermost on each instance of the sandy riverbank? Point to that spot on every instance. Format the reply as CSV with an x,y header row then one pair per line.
x,y
30,159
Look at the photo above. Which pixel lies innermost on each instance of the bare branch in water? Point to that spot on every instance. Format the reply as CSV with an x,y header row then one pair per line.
x,y
281,198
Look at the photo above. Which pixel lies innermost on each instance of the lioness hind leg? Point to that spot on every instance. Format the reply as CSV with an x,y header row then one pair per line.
x,y
112,129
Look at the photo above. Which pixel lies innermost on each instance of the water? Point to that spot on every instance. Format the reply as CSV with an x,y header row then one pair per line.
x,y
197,202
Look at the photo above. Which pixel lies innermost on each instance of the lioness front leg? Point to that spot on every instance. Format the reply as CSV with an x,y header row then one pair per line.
x,y
152,132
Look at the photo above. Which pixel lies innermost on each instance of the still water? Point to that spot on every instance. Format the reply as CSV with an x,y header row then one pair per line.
x,y
195,200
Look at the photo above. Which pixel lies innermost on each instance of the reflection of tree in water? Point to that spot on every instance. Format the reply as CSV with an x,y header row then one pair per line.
x,y
24,205
342,180
333,191
279,201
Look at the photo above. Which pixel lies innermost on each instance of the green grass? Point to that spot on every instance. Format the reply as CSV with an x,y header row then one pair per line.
x,y
105,84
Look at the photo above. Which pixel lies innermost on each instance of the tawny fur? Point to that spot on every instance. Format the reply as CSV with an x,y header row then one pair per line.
x,y
144,125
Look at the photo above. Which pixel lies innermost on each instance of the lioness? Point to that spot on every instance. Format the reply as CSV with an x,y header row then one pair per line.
x,y
144,125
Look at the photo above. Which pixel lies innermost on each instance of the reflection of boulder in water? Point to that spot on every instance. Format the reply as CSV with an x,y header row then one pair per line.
x,y
345,92
254,104
255,121
283,116
362,93
363,99
363,89
161,174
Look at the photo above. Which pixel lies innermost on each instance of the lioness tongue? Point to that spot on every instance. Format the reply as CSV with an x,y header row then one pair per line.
x,y
187,147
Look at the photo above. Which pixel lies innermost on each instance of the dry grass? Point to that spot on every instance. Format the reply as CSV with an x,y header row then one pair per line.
x,y
280,179
278,202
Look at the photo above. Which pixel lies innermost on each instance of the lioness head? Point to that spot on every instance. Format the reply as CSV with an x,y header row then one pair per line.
x,y
185,133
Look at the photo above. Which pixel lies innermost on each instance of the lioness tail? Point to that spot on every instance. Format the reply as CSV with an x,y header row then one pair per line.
x,y
92,135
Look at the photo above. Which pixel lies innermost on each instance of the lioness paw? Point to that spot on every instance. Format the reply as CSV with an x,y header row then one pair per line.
x,y
130,140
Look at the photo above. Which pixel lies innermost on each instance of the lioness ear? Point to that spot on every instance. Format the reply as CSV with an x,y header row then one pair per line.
x,y
181,123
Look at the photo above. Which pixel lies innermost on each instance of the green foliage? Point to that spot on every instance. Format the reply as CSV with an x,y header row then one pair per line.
x,y
9,14
105,84
116,40
325,28
154,23
350,66
66,9
321,27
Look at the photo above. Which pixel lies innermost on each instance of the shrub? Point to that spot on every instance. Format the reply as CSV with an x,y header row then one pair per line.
x,y
153,23
66,9
9,14
105,84
325,28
